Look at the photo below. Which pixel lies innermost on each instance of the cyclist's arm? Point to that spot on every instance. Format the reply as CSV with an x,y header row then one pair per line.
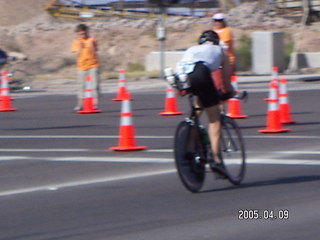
x,y
225,64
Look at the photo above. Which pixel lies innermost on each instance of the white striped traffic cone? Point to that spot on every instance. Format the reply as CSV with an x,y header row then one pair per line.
x,y
284,106
123,92
127,130
273,117
171,105
275,72
274,78
88,104
234,104
5,100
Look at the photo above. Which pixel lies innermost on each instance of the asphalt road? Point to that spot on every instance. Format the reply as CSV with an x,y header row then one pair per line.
x,y
59,180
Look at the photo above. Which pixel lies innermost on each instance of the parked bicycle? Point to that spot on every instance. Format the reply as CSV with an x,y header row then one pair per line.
x,y
20,80
193,152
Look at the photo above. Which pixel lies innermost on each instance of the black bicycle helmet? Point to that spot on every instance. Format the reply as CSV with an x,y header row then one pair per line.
x,y
209,36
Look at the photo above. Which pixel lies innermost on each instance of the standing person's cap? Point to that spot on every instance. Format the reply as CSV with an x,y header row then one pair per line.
x,y
218,17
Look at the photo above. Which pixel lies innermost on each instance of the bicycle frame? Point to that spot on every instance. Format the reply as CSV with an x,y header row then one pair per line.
x,y
232,143
194,120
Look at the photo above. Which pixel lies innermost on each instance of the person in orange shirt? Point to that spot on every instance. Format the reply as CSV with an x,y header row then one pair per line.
x,y
226,42
86,47
226,38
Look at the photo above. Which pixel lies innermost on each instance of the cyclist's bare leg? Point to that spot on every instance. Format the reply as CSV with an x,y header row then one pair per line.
x,y
213,114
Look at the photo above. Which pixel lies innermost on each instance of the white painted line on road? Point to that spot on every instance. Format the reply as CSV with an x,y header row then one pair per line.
x,y
46,150
92,159
266,161
111,159
10,158
160,150
54,187
288,152
89,159
75,137
281,137
72,150
314,152
57,136
84,182
257,152
170,160
142,137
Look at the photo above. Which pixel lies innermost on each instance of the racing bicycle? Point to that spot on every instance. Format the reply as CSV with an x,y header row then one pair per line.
x,y
192,148
20,80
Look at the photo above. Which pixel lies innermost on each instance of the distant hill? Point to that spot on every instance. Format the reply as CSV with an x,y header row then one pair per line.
x,y
26,28
13,12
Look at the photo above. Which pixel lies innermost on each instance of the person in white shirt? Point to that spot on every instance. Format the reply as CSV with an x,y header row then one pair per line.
x,y
201,60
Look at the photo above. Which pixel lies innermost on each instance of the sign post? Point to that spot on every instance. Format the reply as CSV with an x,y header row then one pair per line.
x,y
161,29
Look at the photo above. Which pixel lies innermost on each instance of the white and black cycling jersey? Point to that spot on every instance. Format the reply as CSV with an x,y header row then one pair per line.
x,y
210,55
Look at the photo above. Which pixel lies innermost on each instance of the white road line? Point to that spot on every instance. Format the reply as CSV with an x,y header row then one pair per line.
x,y
83,182
53,187
170,160
160,150
142,137
56,136
314,152
91,159
288,152
281,137
12,158
111,159
46,150
74,137
73,150
266,161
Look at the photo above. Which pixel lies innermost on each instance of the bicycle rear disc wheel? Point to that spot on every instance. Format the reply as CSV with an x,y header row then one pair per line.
x,y
189,153
232,150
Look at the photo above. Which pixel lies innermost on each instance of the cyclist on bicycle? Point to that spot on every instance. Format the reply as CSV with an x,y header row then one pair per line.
x,y
199,61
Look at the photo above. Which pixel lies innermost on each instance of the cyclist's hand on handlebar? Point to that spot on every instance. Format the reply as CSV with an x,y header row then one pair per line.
x,y
243,95
182,93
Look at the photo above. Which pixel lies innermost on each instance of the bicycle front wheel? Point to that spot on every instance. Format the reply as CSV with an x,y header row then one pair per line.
x,y
189,156
232,150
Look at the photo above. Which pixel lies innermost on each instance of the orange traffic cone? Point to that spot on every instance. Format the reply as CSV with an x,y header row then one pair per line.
x,y
234,104
284,106
275,72
171,106
88,104
273,118
5,99
274,78
123,93
127,131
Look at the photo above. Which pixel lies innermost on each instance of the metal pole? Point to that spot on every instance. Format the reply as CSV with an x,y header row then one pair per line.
x,y
161,35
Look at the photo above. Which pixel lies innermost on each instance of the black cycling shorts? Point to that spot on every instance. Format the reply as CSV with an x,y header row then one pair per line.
x,y
201,85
